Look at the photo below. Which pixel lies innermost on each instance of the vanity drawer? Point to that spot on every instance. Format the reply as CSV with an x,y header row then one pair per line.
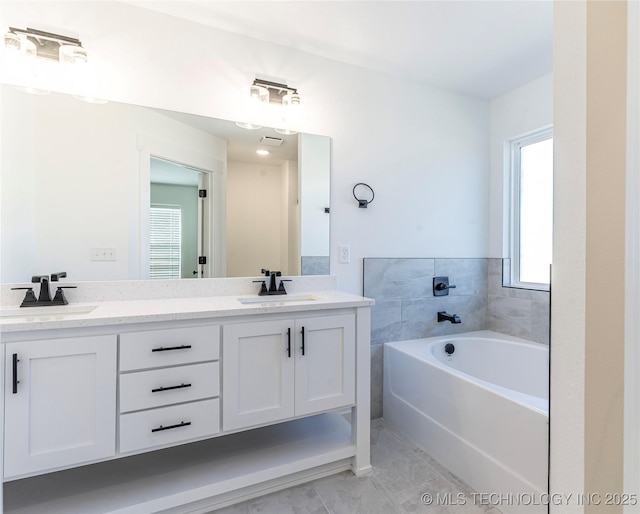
x,y
156,348
166,425
161,387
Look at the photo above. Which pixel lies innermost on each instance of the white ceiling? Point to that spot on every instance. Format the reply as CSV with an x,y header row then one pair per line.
x,y
476,47
242,143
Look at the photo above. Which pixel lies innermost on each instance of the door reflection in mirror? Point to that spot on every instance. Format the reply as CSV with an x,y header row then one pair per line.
x,y
176,224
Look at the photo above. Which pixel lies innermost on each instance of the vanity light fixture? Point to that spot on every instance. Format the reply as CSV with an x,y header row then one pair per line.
x,y
47,44
277,92
263,92
23,46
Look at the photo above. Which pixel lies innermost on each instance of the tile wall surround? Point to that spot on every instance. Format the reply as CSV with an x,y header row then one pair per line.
x,y
314,265
513,311
406,308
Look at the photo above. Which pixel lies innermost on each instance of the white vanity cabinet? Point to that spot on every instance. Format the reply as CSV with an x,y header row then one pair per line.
x,y
60,403
190,406
274,370
169,386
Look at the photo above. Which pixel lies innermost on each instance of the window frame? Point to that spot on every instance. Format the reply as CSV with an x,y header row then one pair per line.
x,y
514,147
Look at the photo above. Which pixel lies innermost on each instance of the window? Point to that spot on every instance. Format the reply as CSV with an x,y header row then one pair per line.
x,y
532,209
166,241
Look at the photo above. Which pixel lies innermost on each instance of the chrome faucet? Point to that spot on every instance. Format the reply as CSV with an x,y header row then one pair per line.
x,y
453,318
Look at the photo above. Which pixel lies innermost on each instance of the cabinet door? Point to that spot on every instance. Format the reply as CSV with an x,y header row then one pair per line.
x,y
60,401
257,373
325,372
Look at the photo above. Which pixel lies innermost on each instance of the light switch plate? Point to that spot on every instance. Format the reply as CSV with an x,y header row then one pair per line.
x,y
103,254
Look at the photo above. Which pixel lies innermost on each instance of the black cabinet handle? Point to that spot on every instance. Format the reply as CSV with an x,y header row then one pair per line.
x,y
289,342
160,389
162,349
302,331
15,373
181,424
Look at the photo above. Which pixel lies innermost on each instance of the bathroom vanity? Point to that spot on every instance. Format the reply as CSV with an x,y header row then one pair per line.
x,y
182,404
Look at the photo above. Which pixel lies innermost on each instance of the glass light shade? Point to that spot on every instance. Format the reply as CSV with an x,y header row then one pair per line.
x,y
71,54
292,106
12,41
259,94
253,107
291,100
285,131
19,44
20,61
248,126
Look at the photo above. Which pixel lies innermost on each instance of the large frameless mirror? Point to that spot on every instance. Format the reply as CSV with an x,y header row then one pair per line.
x,y
116,191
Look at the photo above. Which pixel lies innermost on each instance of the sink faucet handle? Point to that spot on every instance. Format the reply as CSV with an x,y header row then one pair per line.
x,y
57,276
263,288
281,287
265,272
29,297
60,298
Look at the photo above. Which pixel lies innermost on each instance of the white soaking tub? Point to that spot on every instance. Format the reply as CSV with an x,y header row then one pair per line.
x,y
481,410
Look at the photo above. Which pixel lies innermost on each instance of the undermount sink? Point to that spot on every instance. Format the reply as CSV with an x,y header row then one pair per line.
x,y
54,310
279,299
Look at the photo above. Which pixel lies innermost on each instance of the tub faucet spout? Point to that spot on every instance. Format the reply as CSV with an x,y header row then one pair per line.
x,y
453,318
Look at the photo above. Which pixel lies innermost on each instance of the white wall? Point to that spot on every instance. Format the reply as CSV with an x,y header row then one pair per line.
x,y
425,151
516,113
587,326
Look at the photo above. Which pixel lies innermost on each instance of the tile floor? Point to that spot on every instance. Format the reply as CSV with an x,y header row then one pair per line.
x,y
401,474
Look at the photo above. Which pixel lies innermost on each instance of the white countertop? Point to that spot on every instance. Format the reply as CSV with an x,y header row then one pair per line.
x,y
91,314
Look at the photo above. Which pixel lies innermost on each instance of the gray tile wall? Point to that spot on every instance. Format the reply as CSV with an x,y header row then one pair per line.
x,y
406,308
314,265
517,312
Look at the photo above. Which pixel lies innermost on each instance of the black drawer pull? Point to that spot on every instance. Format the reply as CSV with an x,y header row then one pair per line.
x,y
302,347
15,373
159,389
162,349
181,424
289,342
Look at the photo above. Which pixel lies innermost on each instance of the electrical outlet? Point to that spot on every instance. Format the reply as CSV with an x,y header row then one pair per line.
x,y
344,254
103,254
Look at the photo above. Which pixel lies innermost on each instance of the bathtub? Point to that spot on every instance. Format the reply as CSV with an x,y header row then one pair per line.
x,y
482,411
